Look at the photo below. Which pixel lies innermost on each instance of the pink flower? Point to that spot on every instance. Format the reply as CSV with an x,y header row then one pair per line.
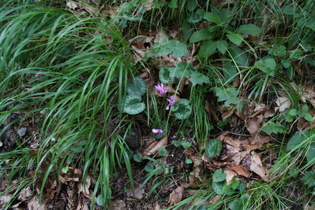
x,y
161,88
171,102
157,131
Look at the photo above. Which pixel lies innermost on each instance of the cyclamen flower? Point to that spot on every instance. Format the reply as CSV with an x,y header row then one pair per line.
x,y
161,88
41,75
157,131
171,102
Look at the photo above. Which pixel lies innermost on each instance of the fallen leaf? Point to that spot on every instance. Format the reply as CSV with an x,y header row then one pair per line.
x,y
253,126
257,167
240,170
34,204
283,103
25,193
176,195
229,176
155,146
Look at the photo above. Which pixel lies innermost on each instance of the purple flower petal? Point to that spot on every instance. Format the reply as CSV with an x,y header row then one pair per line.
x,y
161,88
171,102
157,131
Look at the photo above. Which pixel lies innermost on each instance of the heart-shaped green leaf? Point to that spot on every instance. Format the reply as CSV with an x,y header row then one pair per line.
x,y
133,105
213,148
137,87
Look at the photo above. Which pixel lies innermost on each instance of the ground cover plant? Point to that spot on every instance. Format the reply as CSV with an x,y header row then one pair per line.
x,y
146,104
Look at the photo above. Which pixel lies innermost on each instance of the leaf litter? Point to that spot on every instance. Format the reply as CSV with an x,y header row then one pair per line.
x,y
241,157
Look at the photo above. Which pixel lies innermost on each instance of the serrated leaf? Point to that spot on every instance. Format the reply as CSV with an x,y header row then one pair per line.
x,y
212,17
267,65
222,46
137,87
229,95
200,35
213,148
237,39
274,128
182,109
197,78
219,175
170,46
249,29
133,104
207,49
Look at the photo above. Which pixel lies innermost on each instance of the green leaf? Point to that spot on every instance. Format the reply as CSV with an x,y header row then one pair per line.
x,y
182,109
276,128
200,35
164,74
309,178
197,78
219,187
65,169
213,148
192,5
188,161
235,38
296,139
179,49
197,16
267,65
278,50
310,155
222,46
219,175
162,151
207,49
230,71
249,29
170,46
212,17
229,95
137,87
149,167
285,63
239,55
137,157
308,117
133,105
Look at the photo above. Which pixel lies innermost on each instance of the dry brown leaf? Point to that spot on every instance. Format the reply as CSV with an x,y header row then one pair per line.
x,y
227,114
257,166
84,188
253,126
259,140
25,193
118,205
283,103
155,146
34,204
240,170
229,176
176,195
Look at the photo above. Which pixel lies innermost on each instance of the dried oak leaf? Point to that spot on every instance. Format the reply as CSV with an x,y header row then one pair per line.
x,y
176,195
240,170
257,167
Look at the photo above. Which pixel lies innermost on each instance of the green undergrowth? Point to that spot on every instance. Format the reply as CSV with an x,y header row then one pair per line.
x,y
73,76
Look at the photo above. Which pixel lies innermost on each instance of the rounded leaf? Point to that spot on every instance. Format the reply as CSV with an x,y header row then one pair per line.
x,y
164,74
213,148
182,109
137,86
133,104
